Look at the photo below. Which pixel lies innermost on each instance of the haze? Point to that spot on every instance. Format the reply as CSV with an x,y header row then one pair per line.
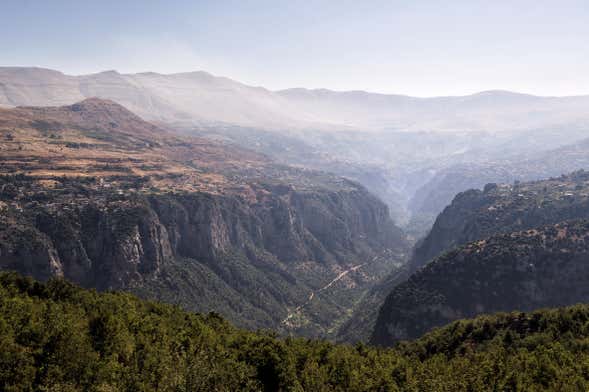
x,y
416,48
291,175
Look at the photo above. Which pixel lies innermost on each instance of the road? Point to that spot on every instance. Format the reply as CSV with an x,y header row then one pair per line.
x,y
335,280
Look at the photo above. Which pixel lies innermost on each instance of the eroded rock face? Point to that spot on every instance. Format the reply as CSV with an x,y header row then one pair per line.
x,y
27,250
244,255
476,214
545,267
96,244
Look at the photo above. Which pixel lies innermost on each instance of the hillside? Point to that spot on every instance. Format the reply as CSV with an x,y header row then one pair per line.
x,y
525,270
56,336
477,214
415,154
528,164
95,194
199,98
98,138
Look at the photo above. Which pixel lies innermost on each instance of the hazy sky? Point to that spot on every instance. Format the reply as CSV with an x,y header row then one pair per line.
x,y
413,47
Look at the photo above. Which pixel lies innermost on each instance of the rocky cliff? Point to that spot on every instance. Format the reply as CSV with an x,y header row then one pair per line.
x,y
524,270
473,215
477,214
93,193
251,260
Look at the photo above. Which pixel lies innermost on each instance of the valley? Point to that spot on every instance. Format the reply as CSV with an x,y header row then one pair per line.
x,y
304,227
223,196
367,236
415,154
93,193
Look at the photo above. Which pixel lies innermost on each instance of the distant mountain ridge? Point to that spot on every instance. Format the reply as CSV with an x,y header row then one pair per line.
x,y
201,99
195,98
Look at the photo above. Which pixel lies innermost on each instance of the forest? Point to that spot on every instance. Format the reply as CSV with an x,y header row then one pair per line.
x,y
56,336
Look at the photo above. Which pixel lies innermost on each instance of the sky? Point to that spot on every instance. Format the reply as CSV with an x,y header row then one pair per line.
x,y
420,48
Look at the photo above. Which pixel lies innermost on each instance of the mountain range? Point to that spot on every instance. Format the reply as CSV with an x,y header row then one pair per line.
x,y
199,98
413,153
290,209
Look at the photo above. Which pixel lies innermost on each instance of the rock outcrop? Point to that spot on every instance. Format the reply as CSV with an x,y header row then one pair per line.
x,y
500,208
522,271
265,255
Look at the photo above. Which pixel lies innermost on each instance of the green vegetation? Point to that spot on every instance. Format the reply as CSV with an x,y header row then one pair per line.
x,y
476,215
252,263
57,337
526,270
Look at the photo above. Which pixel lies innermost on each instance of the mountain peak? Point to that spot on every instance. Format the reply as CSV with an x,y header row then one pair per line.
x,y
109,72
94,113
109,114
98,104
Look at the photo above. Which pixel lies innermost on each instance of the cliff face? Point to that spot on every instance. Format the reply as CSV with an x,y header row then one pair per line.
x,y
251,260
476,214
520,271
104,245
94,193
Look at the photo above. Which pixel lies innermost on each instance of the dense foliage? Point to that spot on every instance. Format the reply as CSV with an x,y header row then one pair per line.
x,y
57,337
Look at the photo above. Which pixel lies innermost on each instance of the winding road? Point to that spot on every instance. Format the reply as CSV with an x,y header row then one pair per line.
x,y
335,280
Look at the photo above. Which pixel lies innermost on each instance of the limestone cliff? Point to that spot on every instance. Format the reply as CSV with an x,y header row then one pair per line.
x,y
544,267
252,260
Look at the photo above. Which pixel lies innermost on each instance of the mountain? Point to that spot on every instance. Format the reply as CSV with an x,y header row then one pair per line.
x,y
56,336
415,154
189,98
93,193
525,270
492,111
199,98
475,214
445,182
